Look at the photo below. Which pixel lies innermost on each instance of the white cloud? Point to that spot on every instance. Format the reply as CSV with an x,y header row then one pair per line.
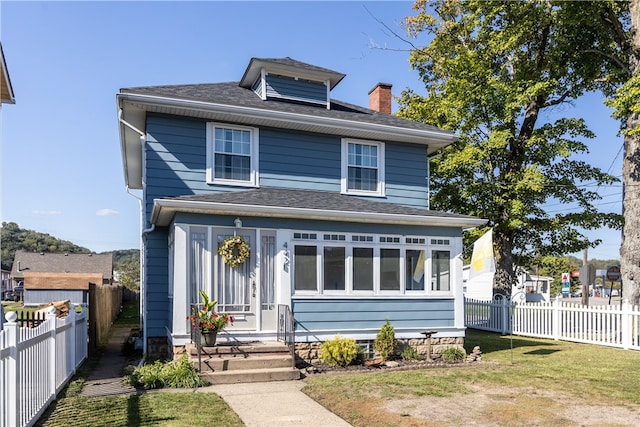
x,y
46,213
107,212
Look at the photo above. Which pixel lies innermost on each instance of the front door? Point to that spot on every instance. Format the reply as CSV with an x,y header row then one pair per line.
x,y
235,287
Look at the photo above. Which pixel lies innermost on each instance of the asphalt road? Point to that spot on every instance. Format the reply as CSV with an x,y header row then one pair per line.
x,y
592,300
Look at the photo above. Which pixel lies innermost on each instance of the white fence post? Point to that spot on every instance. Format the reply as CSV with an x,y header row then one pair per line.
x,y
625,328
11,328
51,318
506,306
555,319
71,342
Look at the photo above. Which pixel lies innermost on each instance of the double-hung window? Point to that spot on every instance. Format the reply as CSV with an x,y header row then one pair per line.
x,y
362,167
232,155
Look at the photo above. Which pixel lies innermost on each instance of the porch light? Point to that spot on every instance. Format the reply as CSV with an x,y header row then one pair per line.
x,y
238,222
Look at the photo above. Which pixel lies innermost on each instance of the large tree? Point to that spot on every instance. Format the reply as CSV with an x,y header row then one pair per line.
x,y
496,72
626,33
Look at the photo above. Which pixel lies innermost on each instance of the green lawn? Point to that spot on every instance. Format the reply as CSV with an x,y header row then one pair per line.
x,y
146,409
535,370
537,379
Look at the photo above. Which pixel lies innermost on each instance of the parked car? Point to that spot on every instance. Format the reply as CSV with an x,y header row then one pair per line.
x,y
16,294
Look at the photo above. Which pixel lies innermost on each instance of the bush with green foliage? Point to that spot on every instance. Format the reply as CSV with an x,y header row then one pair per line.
x,y
385,344
409,353
174,374
339,351
453,354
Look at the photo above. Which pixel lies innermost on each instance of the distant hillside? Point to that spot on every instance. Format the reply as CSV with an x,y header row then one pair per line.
x,y
125,256
14,238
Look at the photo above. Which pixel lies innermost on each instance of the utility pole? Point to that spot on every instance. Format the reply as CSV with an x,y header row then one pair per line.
x,y
585,277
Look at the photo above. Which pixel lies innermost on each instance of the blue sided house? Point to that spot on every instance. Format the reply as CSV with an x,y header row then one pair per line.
x,y
331,199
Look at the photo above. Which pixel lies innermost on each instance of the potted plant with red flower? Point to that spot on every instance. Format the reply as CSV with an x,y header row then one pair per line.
x,y
208,321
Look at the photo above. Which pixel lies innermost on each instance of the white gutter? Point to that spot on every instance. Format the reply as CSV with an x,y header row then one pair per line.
x,y
286,117
143,326
174,206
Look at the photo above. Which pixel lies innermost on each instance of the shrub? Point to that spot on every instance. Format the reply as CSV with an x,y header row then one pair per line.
x,y
175,374
409,353
385,343
339,351
453,354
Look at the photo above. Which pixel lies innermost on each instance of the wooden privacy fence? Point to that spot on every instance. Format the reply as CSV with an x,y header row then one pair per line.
x,y
105,303
615,326
35,363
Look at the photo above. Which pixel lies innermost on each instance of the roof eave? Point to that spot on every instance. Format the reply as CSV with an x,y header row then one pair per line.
x,y
164,211
7,96
134,107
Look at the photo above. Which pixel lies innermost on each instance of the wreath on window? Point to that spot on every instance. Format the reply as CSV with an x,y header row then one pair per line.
x,y
234,251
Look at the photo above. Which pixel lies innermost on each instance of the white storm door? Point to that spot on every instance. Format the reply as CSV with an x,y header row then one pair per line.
x,y
234,287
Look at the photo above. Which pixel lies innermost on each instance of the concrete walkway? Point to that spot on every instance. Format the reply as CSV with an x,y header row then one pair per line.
x,y
278,403
107,379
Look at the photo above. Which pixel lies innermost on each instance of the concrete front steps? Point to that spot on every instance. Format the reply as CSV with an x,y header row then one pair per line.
x,y
229,363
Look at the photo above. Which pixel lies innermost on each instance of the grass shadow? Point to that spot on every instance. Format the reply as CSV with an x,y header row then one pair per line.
x,y
541,352
493,342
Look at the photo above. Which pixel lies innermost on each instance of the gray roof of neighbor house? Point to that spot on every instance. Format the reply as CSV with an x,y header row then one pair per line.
x,y
322,205
231,102
45,262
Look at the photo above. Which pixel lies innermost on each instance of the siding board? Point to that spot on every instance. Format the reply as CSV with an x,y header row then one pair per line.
x,y
370,314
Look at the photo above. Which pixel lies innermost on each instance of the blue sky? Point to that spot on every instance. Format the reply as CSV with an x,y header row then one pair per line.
x,y
61,165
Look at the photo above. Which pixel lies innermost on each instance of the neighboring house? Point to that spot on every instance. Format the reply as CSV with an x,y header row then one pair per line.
x,y
332,199
5,283
54,277
529,288
6,90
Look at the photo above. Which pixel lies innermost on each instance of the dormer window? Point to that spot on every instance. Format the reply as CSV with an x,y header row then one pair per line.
x,y
292,88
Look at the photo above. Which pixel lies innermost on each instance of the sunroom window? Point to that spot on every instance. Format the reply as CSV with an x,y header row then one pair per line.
x,y
440,271
370,265
306,273
362,269
231,155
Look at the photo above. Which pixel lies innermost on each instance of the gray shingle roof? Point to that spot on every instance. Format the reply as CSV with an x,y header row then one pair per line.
x,y
315,200
61,263
230,93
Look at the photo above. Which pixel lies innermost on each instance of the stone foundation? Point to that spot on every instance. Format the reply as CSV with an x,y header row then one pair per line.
x,y
158,347
178,351
310,352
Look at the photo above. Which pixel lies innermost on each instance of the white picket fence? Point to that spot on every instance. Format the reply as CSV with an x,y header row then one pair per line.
x,y
615,326
36,363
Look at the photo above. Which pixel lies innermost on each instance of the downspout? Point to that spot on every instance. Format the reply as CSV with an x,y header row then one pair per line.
x,y
143,231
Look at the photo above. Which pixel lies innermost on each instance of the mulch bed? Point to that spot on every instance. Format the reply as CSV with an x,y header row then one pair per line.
x,y
310,371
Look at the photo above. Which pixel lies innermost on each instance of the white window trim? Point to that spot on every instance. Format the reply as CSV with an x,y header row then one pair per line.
x,y
348,244
254,159
344,168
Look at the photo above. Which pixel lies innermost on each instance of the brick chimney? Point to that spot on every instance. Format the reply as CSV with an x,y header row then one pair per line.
x,y
380,98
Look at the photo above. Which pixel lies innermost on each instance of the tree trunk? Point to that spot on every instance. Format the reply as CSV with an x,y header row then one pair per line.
x,y
630,250
504,276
